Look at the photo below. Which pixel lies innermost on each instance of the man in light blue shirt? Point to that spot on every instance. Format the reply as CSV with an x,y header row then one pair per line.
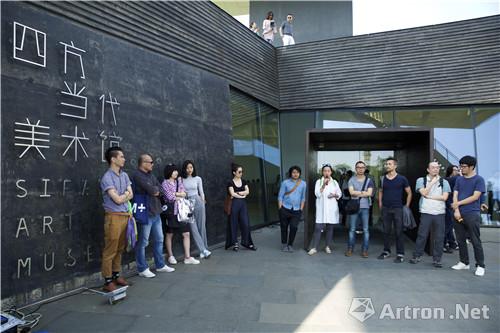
x,y
434,192
291,200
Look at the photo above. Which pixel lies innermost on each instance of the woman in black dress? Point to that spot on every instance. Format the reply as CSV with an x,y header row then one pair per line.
x,y
238,190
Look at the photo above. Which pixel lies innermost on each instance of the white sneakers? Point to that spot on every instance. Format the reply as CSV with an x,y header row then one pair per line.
x,y
165,269
171,260
328,250
460,266
147,273
191,261
205,254
479,271
312,251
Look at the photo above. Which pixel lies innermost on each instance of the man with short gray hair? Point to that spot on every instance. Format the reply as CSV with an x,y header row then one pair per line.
x,y
434,191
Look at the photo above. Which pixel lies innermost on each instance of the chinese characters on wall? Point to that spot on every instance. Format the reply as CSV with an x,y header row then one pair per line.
x,y
36,138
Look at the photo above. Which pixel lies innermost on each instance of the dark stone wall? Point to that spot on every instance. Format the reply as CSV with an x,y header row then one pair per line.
x,y
51,206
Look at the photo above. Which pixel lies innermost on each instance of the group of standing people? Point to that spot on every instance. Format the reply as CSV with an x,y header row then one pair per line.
x,y
269,29
155,210
443,207
156,207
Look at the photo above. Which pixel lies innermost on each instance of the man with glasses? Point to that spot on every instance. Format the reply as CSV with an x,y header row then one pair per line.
x,y
286,31
360,188
467,211
146,184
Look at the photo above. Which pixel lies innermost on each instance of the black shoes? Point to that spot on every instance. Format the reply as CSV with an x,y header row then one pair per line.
x,y
399,259
384,255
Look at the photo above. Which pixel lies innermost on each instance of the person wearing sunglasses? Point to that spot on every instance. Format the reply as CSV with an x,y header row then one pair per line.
x,y
327,192
286,31
238,190
145,183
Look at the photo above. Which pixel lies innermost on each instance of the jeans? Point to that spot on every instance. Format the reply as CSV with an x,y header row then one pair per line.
x,y
363,214
470,226
449,238
290,218
394,216
428,222
152,227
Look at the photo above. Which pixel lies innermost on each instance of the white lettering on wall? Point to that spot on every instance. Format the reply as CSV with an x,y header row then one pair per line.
x,y
21,195
51,267
25,264
47,221
22,226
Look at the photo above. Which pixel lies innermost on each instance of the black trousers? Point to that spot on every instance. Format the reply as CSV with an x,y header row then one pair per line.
x,y
238,220
449,238
289,219
470,226
393,216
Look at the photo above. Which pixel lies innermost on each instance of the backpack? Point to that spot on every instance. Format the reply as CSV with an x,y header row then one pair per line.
x,y
440,182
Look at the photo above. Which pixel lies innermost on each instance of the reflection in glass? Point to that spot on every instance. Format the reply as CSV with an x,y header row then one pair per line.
x,y
356,119
247,150
256,148
487,130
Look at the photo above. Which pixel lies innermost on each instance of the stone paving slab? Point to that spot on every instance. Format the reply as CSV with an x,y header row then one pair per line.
x,y
272,291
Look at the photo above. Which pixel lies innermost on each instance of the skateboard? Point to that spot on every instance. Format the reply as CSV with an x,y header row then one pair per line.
x,y
112,296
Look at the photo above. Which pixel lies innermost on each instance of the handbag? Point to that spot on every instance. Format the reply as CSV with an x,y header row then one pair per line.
x,y
352,206
227,204
140,206
185,210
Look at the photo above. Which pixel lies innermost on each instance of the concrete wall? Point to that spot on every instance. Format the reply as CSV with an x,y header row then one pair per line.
x,y
314,20
52,217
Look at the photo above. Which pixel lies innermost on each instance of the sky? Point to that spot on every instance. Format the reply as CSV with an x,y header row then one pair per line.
x,y
370,16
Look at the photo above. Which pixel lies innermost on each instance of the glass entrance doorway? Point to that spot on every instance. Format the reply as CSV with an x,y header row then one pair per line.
x,y
343,147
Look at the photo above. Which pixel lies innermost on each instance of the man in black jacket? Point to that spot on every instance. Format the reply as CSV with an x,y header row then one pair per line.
x,y
145,183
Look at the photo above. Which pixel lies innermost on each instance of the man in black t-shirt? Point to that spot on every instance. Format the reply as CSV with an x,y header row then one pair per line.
x,y
390,200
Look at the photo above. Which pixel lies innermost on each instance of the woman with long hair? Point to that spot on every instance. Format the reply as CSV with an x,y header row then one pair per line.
x,y
193,184
238,190
172,190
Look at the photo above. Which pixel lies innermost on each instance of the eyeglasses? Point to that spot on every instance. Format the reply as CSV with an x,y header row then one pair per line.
x,y
150,162
360,167
463,166
238,172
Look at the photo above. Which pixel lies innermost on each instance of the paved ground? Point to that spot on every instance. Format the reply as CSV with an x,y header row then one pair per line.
x,y
271,291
